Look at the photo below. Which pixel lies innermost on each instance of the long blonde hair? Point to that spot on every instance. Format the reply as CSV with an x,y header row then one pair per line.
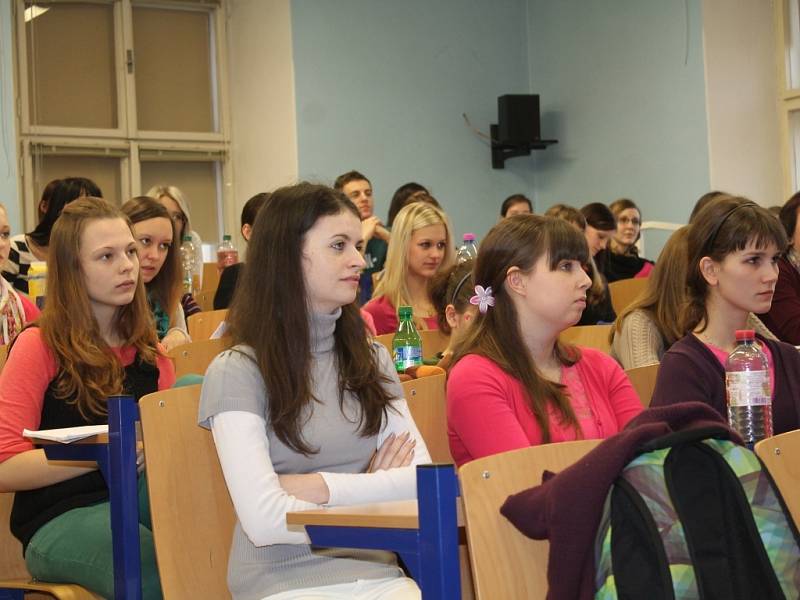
x,y
88,370
411,218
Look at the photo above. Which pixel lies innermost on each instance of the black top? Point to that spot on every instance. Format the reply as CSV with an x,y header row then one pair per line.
x,y
34,508
621,266
227,285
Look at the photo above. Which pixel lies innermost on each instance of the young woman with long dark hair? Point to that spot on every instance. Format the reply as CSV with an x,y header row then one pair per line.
x,y
304,408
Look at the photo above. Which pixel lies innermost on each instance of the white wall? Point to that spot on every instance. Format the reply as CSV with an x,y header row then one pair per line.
x,y
741,96
261,88
8,137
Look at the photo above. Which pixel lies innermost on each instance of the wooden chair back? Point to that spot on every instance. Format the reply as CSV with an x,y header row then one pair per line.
x,y
211,276
625,291
592,336
433,342
13,572
781,455
192,513
505,563
194,357
201,325
643,380
205,299
428,406
3,356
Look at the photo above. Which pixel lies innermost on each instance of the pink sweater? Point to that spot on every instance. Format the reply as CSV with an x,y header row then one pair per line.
x,y
488,411
385,316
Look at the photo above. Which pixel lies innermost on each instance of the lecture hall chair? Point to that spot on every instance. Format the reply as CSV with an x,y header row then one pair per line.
x,y
625,291
591,336
643,380
505,563
428,406
781,455
191,510
193,358
201,325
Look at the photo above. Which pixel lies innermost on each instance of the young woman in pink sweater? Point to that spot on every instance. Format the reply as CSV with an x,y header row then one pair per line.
x,y
513,384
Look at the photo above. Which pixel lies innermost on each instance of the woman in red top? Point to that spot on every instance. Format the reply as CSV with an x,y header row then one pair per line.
x,y
421,244
513,384
94,339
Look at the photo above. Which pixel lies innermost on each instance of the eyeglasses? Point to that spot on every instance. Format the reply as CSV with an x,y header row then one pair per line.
x,y
177,217
629,221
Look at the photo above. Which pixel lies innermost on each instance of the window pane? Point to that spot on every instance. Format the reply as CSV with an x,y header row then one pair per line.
x,y
71,79
174,78
105,172
198,182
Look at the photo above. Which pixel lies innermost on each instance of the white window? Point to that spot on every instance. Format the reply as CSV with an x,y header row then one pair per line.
x,y
129,93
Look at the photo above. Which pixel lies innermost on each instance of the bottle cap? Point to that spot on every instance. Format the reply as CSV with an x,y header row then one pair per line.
x,y
745,334
405,312
226,237
469,237
187,238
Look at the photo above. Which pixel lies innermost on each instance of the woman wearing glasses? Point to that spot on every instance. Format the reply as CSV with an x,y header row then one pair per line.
x,y
177,205
622,260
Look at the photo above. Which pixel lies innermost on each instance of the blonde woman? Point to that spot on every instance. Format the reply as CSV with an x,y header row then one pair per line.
x,y
421,244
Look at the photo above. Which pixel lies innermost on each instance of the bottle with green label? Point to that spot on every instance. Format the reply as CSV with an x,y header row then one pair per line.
x,y
406,344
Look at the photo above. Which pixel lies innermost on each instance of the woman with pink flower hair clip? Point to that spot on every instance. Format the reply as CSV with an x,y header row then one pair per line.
x,y
513,384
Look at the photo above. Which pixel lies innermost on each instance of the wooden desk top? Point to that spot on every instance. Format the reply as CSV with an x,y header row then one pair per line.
x,y
401,514
393,515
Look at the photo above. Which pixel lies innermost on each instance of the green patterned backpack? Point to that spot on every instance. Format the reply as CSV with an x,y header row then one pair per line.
x,y
696,516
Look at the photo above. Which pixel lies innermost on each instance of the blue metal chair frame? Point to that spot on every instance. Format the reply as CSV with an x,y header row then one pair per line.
x,y
430,552
117,461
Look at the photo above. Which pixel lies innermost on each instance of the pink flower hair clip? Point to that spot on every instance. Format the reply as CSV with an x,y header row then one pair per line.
x,y
483,298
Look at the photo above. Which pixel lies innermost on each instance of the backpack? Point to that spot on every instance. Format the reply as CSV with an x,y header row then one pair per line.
x,y
696,516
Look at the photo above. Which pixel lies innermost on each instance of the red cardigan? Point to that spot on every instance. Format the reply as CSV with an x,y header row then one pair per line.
x,y
488,410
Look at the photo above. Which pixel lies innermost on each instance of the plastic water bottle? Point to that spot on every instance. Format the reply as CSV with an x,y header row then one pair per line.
x,y
406,343
747,387
188,253
468,250
37,282
227,254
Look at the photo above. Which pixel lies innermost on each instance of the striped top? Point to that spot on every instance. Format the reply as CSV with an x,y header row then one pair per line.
x,y
19,261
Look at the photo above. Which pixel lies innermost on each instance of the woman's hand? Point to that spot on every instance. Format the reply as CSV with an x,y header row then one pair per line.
x,y
139,457
396,451
173,339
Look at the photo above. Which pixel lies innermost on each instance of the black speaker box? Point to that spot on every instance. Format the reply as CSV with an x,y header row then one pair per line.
x,y
518,118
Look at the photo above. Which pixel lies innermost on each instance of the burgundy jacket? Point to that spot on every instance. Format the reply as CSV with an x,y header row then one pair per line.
x,y
567,508
690,371
783,318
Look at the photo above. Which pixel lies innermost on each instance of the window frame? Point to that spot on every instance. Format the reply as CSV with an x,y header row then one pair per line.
x,y
127,137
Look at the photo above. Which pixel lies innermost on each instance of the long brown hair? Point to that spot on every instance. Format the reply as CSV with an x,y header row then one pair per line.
x,y
520,241
724,225
665,295
166,286
270,314
88,370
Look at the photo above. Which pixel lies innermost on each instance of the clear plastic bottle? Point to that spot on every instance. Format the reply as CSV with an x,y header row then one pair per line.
x,y
188,254
747,388
468,250
37,282
406,343
227,254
